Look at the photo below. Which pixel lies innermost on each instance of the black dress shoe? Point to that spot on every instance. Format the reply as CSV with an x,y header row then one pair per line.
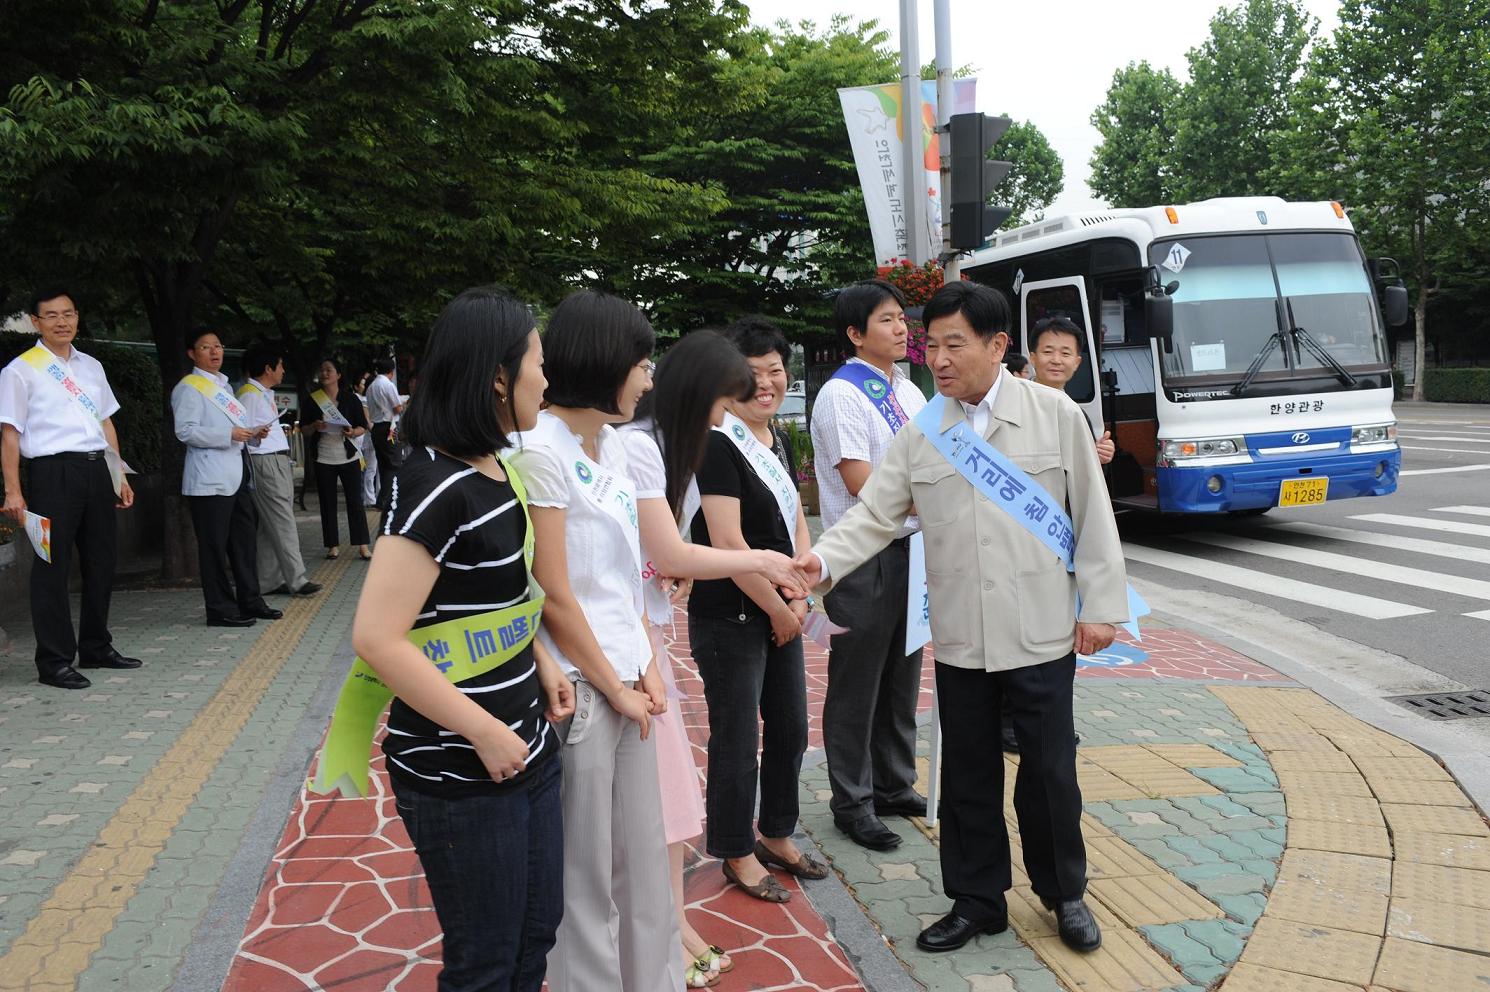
x,y
280,590
309,589
868,831
1078,927
109,659
914,806
230,621
66,677
1010,740
952,931
266,613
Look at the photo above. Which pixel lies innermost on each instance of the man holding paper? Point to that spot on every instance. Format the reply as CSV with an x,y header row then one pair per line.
x,y
216,479
869,715
56,411
1018,531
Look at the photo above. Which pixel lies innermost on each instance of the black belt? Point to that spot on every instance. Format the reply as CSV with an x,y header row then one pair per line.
x,y
902,542
270,454
74,456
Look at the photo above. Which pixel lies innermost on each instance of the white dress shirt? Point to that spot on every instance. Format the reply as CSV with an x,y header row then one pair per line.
x,y
258,400
382,397
846,425
49,420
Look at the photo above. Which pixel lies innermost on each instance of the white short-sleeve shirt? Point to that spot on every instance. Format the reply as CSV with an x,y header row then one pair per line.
x,y
382,397
258,401
845,425
597,551
49,420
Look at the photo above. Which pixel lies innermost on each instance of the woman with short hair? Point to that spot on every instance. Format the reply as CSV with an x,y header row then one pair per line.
x,y
339,423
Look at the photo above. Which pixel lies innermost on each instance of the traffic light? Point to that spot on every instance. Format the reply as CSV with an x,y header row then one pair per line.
x,y
974,176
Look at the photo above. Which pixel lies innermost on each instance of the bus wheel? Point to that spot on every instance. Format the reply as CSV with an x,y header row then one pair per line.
x,y
1255,511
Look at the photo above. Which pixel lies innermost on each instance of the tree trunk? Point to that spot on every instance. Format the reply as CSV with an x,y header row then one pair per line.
x,y
1420,349
170,315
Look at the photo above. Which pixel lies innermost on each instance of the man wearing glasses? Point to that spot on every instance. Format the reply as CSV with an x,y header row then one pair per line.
x,y
56,411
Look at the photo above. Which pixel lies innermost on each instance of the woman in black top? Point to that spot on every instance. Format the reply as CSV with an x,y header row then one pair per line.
x,y
334,449
747,639
473,763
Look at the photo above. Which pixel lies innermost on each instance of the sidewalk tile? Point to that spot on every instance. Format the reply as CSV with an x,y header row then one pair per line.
x,y
1346,838
1431,921
1317,903
1418,792
1418,766
1335,871
1313,950
1334,809
1124,963
1456,886
1194,756
1151,899
1252,978
1312,761
1409,966
1432,848
1439,819
1325,783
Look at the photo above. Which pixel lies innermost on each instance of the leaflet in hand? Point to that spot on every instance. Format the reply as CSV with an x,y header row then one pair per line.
x,y
818,628
39,530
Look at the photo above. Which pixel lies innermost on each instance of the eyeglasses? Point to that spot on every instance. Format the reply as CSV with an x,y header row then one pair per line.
x,y
52,316
649,367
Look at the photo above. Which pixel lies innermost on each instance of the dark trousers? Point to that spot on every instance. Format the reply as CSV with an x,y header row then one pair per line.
x,y
869,714
1047,801
388,460
78,496
227,539
495,868
350,476
744,673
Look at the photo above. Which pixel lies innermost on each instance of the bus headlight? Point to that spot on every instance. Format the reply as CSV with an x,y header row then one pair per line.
x,y
1373,434
1208,448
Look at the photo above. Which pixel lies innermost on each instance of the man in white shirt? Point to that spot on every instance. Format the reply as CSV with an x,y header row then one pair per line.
x,y
869,715
56,411
281,567
383,404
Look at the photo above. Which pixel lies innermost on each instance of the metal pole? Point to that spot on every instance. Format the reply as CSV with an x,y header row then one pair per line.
x,y
943,14
913,178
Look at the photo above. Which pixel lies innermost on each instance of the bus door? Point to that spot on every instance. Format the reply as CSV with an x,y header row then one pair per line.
x,y
1066,298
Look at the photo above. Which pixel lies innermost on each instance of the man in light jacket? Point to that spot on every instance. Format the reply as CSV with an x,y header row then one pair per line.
x,y
1003,605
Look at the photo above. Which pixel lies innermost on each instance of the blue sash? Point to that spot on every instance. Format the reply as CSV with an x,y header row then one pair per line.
x,y
881,395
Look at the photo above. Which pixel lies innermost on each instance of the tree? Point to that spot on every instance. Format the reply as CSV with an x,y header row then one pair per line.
x,y
1133,165
1036,178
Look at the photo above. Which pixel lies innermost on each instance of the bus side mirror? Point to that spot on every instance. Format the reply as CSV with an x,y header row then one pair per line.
x,y
1394,305
1159,315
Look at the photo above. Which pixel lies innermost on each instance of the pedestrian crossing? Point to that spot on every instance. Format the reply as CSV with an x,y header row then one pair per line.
x,y
1323,565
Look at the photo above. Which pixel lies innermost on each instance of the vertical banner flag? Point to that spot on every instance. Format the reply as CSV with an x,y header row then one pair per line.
x,y
876,129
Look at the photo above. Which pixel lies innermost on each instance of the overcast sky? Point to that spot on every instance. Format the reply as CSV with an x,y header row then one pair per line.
x,y
1049,62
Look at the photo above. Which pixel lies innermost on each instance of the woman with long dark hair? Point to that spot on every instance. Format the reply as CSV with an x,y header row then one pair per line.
x,y
447,620
340,422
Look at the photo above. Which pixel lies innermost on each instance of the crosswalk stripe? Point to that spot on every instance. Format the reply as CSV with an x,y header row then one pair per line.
x,y
1441,471
1472,511
1457,451
1427,523
1479,615
1273,585
1447,437
1397,542
1473,588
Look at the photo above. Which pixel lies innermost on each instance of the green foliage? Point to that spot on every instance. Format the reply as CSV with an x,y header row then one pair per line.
x,y
1037,176
1133,165
1456,385
799,439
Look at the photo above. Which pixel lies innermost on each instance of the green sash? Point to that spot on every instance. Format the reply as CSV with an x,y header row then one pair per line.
x,y
460,649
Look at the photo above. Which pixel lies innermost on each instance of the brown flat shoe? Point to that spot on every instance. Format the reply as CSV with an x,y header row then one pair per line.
x,y
766,890
803,867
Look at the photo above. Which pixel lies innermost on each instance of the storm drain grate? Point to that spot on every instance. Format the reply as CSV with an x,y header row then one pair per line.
x,y
1447,705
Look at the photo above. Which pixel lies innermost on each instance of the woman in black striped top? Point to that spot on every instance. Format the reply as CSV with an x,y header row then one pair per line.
x,y
472,763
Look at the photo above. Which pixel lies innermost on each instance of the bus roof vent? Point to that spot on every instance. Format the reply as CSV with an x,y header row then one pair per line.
x,y
1091,219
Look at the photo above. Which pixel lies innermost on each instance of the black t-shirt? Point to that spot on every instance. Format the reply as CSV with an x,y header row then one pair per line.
x,y
725,472
474,528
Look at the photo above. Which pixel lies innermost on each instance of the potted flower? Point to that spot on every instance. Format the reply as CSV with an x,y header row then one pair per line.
x,y
801,445
918,283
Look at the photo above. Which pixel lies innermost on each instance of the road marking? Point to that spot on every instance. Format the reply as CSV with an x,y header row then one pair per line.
x,y
1440,471
1273,585
1422,546
1427,523
1457,451
1448,437
1479,615
1473,511
70,927
1453,584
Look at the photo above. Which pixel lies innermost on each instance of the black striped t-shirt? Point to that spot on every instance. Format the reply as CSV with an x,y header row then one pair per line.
x,y
474,528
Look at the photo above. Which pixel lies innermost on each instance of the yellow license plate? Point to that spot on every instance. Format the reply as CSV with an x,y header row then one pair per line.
x,y
1304,492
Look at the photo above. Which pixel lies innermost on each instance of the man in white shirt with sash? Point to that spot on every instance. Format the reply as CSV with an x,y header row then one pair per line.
x,y
1019,536
869,715
280,565
383,404
216,478
56,411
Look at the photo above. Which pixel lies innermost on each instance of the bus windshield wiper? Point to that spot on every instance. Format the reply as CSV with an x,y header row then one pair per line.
x,y
1275,340
1301,336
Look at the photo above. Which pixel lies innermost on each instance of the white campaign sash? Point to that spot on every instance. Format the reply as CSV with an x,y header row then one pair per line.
x,y
658,601
51,368
767,468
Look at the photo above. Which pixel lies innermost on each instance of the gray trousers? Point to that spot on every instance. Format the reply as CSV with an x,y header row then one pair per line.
x,y
619,932
869,712
279,558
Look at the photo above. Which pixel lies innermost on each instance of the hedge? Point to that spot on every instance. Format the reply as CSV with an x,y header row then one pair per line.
x,y
1456,385
136,383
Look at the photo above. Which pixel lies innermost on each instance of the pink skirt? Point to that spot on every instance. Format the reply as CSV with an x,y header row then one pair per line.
x,y
682,798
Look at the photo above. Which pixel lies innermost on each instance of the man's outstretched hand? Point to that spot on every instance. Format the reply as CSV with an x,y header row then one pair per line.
x,y
810,566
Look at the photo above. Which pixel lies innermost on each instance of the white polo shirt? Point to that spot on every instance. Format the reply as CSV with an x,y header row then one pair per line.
x,y
49,420
382,397
259,402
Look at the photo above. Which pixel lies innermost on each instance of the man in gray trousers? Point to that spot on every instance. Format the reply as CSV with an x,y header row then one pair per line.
x,y
281,568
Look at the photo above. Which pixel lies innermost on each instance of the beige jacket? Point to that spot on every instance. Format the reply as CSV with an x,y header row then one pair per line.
x,y
999,598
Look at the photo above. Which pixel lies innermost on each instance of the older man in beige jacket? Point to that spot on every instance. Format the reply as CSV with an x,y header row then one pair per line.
x,y
1004,614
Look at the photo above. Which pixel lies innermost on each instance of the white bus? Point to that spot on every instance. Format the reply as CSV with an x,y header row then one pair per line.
x,y
1241,354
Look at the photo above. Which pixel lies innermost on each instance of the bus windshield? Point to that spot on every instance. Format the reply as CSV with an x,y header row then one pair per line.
x,y
1233,289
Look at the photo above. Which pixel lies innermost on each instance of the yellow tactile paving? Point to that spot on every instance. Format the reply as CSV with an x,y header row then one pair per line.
x,y
1418,766
1457,886
1109,857
1348,838
1324,783
1093,827
62,938
1251,978
1418,791
1339,871
1030,919
1408,966
1144,900
1430,921
1342,909
1270,740
1434,819
1124,963
1315,950
1312,761
1147,772
1334,809
1442,849
1194,755
1099,785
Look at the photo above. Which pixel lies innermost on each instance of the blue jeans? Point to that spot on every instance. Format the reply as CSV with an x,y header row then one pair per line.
x,y
495,867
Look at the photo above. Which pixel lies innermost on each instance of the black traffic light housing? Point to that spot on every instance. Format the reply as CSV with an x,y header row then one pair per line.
x,y
974,176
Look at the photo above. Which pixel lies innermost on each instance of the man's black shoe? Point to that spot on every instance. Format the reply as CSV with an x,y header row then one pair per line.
x,y
109,659
230,621
1078,927
282,589
952,931
309,589
65,678
267,613
914,806
868,831
1010,741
